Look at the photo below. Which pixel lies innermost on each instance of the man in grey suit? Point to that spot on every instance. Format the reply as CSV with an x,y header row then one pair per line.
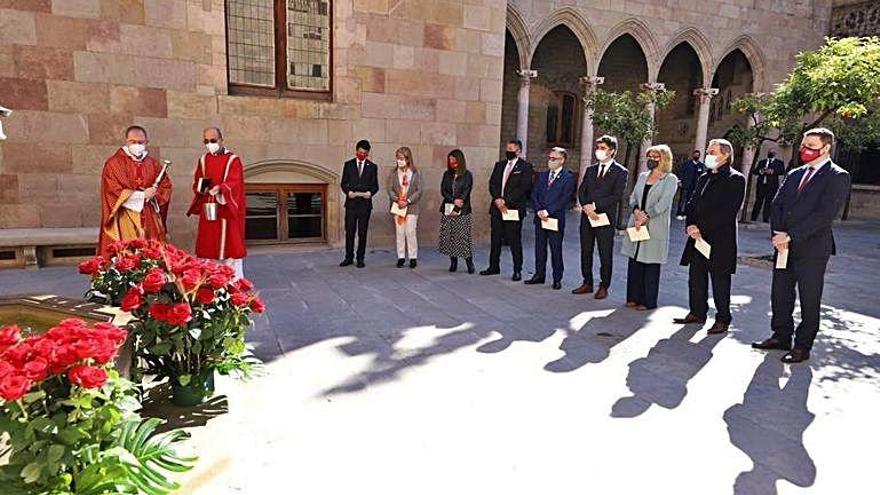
x,y
600,192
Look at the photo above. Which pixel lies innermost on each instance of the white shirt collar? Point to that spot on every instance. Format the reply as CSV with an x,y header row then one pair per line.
x,y
606,162
818,163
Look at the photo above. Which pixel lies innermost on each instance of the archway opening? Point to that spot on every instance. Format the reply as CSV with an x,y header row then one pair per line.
x,y
733,78
681,72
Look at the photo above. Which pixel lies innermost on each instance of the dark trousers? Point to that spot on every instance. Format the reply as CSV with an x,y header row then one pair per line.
x,y
698,290
554,239
683,199
763,201
604,237
808,276
505,231
643,283
357,219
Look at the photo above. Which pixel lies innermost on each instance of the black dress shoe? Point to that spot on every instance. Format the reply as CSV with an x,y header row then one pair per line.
x,y
534,281
771,344
796,355
470,265
400,262
453,264
413,263
517,276
346,262
557,285
360,264
490,271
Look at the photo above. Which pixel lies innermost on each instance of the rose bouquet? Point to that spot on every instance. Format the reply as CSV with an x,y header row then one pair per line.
x,y
71,421
190,315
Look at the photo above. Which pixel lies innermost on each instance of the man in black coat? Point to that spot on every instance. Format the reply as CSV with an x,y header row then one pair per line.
x,y
359,183
688,174
711,219
510,187
601,191
804,209
768,172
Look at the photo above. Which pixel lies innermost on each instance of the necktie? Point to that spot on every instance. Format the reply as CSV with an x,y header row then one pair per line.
x,y
360,168
507,170
601,173
552,178
806,179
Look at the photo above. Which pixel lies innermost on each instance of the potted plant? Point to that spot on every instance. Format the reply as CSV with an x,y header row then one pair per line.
x,y
71,421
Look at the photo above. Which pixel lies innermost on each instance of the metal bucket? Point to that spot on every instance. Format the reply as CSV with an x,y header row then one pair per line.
x,y
210,211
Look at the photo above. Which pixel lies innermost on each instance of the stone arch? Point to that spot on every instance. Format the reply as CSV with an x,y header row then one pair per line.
x,y
749,47
292,171
520,34
575,22
642,34
693,37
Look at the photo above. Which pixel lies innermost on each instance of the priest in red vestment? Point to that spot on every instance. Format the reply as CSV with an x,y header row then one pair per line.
x,y
219,201
133,205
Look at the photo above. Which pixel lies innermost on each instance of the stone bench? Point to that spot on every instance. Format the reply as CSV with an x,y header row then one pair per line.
x,y
31,248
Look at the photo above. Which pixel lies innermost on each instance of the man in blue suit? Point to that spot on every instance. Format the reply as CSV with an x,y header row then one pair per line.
x,y
550,198
690,171
804,209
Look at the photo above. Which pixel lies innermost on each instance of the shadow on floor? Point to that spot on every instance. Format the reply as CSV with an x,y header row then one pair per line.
x,y
157,404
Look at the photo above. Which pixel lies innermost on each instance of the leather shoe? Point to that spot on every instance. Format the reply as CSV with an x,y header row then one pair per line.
x,y
602,293
346,263
585,288
771,344
557,285
718,327
400,262
689,319
360,264
517,276
534,281
413,263
490,271
641,308
631,304
796,355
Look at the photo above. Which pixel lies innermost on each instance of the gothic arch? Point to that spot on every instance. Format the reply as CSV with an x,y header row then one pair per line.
x,y
749,47
640,32
573,20
693,37
517,27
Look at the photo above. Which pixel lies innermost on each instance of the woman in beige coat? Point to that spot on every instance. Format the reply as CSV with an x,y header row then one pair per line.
x,y
404,192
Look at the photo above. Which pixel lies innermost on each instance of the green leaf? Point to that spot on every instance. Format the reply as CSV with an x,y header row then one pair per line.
x,y
184,380
31,472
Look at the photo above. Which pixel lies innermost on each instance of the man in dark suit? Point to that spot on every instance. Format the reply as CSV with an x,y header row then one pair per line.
x,y
359,183
711,218
804,209
550,198
510,186
688,174
768,172
600,192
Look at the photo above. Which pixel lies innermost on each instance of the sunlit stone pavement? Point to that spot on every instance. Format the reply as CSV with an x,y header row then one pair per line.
x,y
400,381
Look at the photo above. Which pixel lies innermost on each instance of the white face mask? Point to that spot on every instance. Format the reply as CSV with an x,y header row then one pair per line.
x,y
554,164
213,147
401,163
602,155
712,162
137,149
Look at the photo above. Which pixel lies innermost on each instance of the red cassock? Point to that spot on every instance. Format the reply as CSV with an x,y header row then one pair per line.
x,y
222,238
121,178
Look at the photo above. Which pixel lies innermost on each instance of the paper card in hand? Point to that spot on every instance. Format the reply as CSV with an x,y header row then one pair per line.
x,y
397,210
601,221
510,216
782,259
550,224
703,247
636,235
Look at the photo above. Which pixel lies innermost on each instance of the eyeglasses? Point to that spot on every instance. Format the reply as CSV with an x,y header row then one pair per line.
x,y
212,140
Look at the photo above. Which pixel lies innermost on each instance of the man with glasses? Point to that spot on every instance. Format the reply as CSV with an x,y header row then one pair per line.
x,y
219,201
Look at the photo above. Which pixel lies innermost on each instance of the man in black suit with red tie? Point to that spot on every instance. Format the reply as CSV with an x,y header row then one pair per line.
x,y
804,209
510,186
359,183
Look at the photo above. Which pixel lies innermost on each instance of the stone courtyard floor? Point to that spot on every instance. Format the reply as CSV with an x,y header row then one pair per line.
x,y
399,381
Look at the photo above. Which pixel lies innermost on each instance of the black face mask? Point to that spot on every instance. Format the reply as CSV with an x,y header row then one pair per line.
x,y
771,156
510,155
652,164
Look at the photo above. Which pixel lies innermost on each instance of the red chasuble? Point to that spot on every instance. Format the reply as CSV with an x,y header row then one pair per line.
x,y
122,176
222,238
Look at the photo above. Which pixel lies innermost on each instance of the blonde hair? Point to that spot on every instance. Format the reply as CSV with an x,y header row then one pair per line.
x,y
665,157
407,155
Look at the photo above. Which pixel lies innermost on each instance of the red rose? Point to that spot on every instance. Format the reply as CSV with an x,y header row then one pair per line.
x,y
159,311
137,244
5,369
218,280
36,370
205,295
151,253
104,351
179,314
244,285
87,376
111,332
191,278
13,387
132,299
128,263
63,357
92,266
257,305
240,299
154,281
18,354
43,347
9,336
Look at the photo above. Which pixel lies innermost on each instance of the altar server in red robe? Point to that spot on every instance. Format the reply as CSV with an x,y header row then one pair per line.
x,y
219,201
133,204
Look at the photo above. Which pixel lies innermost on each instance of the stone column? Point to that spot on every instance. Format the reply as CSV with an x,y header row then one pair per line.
x,y
589,84
705,95
650,108
522,100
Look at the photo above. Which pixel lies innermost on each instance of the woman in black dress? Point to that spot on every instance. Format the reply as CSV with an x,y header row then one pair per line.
x,y
455,224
